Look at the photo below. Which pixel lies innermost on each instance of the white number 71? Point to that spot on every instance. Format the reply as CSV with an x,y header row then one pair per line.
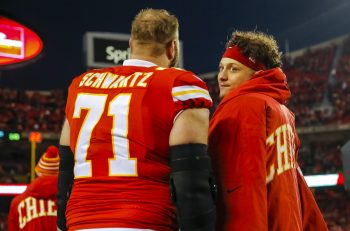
x,y
121,164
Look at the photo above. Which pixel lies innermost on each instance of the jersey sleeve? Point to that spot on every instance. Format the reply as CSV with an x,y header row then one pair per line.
x,y
70,97
240,143
13,224
189,91
311,215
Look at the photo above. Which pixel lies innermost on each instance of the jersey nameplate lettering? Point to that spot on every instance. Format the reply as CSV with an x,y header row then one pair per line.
x,y
108,80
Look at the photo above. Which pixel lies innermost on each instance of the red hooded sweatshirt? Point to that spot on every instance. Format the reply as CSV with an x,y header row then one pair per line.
x,y
35,209
254,146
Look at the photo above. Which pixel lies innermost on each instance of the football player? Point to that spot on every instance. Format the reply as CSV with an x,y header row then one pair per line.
x,y
135,140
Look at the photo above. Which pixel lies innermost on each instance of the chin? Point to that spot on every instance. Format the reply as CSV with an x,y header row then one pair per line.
x,y
222,93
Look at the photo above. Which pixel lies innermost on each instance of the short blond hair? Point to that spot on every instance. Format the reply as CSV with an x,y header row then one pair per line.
x,y
259,46
154,27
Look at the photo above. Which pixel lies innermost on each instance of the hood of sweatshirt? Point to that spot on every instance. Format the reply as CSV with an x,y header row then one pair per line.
x,y
43,187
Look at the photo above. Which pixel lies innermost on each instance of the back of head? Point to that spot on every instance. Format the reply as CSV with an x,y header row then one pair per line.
x,y
155,29
258,46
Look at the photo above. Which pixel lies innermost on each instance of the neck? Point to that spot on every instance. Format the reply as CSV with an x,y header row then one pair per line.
x,y
161,60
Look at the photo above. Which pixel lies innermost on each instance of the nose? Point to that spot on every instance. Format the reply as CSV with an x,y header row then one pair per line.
x,y
222,76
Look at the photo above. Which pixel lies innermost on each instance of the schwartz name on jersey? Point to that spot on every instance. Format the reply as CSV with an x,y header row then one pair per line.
x,y
120,120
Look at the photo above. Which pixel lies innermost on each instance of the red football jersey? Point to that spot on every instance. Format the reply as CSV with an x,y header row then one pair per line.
x,y
120,119
35,209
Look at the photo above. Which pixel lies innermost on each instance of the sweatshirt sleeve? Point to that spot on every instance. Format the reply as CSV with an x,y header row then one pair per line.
x,y
13,217
242,142
311,215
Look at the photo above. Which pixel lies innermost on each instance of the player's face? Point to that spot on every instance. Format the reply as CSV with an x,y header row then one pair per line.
x,y
232,74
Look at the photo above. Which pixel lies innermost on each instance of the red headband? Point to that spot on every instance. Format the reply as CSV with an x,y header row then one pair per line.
x,y
235,53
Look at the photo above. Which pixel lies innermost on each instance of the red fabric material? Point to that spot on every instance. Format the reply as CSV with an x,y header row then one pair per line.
x,y
141,201
253,144
52,151
35,209
235,53
312,216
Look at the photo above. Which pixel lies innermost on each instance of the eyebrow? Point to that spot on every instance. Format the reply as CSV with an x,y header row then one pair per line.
x,y
229,64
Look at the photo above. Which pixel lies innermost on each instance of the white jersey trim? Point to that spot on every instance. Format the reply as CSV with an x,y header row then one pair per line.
x,y
116,229
187,92
138,63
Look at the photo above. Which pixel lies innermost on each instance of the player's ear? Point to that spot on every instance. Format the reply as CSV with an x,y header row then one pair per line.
x,y
130,42
171,49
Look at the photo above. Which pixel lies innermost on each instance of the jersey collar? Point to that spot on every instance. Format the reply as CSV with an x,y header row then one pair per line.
x,y
138,62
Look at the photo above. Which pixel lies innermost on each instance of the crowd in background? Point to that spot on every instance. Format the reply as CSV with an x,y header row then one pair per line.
x,y
339,91
308,80
320,158
31,110
15,162
320,96
335,206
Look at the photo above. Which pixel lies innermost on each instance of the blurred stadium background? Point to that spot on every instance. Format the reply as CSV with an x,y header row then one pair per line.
x,y
318,75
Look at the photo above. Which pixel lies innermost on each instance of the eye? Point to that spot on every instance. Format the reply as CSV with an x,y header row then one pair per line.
x,y
221,68
233,69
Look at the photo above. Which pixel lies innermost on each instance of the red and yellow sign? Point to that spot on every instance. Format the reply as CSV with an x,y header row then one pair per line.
x,y
35,137
17,42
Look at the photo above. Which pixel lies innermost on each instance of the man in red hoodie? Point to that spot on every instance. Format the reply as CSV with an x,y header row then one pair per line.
x,y
35,209
254,145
